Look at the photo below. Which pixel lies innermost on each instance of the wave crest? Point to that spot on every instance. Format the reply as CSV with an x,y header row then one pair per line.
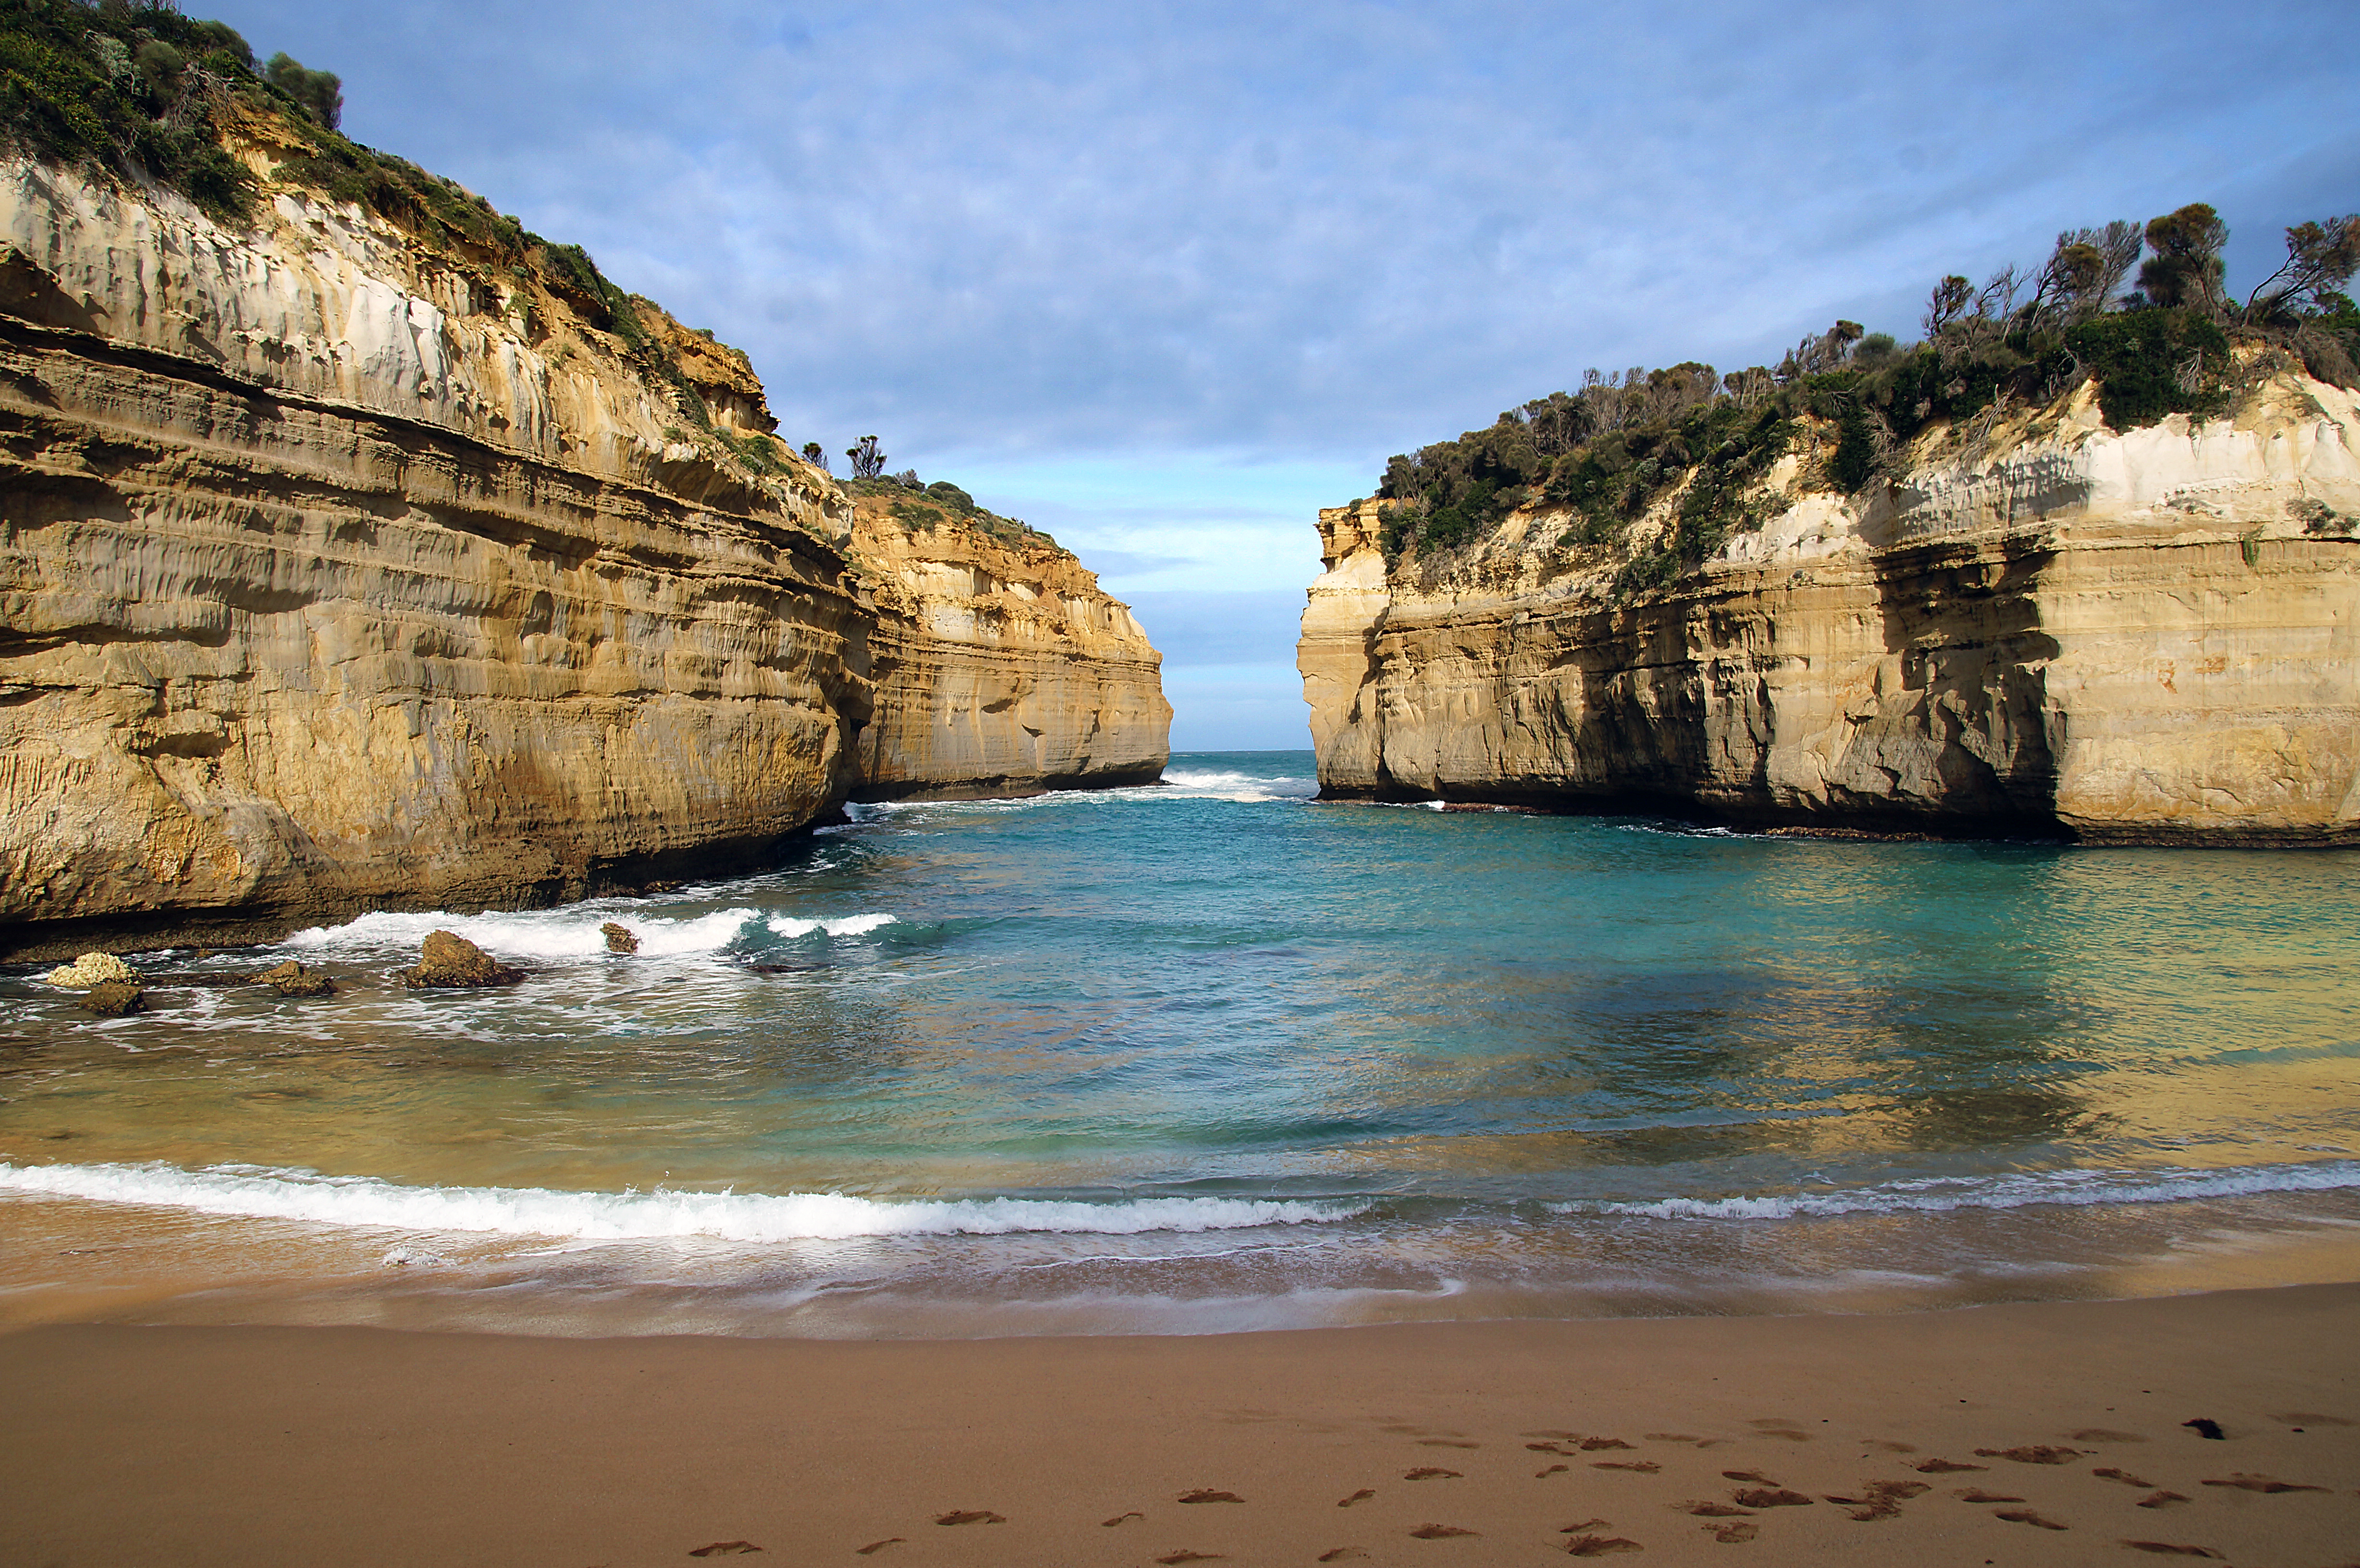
x,y
258,1193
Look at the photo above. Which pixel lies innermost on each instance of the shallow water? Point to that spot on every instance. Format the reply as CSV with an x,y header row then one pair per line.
x,y
1214,1055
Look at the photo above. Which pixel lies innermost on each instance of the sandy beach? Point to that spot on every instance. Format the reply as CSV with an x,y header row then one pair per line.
x,y
2047,1433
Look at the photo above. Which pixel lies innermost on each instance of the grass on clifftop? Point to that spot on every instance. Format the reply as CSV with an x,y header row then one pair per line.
x,y
1609,452
921,508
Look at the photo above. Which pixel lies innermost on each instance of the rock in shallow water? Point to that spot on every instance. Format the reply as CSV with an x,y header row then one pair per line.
x,y
90,969
291,979
619,938
112,998
450,959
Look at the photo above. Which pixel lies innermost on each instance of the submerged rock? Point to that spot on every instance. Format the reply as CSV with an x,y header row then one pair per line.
x,y
112,998
449,959
291,979
90,969
619,938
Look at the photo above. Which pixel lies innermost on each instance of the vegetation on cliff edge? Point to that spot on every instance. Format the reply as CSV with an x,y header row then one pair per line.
x,y
134,92
1609,451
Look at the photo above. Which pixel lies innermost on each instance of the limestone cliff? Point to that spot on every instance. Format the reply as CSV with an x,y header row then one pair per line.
x,y
999,666
346,565
2053,628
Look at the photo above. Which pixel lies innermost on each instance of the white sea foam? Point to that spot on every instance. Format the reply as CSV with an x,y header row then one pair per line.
x,y
571,932
1943,1195
851,925
1183,783
261,1193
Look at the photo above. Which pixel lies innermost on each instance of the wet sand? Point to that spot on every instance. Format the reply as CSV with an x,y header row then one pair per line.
x,y
2039,1434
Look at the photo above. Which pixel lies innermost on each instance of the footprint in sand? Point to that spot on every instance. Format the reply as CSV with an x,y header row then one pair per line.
x,y
1431,1473
1362,1495
2105,1434
2205,1426
2109,1473
1945,1467
971,1516
1600,1546
1672,1437
1709,1509
1771,1497
1123,1518
1747,1475
2166,1549
2245,1483
874,1547
2163,1500
2032,1453
1551,1431
2311,1418
1644,1466
1598,1444
1172,1557
1977,1495
1879,1443
1446,1442
1880,1499
1735,1533
1438,1531
2025,1516
1552,1470
1549,1448
1342,1554
724,1548
1585,1524
1206,1495
1791,1431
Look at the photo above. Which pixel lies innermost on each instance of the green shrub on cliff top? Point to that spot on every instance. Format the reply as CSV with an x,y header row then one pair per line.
x,y
1609,451
131,88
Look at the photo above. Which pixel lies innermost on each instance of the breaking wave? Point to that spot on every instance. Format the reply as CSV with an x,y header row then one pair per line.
x,y
263,1193
573,932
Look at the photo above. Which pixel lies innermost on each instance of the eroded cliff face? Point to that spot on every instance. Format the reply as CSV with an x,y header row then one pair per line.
x,y
999,666
340,571
2150,636
329,580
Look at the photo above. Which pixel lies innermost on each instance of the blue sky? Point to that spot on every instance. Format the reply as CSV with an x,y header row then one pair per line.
x,y
1164,279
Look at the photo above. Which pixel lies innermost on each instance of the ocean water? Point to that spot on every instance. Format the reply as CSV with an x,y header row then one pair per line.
x,y
1213,1055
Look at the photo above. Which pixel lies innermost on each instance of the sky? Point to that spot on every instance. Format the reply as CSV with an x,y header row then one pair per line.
x,y
1166,279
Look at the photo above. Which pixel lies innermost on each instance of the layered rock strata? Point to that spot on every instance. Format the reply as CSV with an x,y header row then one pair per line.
x,y
341,571
999,666
2150,636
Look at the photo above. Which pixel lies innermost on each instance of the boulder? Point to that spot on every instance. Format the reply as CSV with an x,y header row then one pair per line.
x,y
112,998
291,979
90,969
619,938
450,959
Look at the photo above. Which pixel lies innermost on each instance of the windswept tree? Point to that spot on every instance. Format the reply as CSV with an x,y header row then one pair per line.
x,y
1947,303
816,455
319,94
867,458
2321,259
2085,272
2185,269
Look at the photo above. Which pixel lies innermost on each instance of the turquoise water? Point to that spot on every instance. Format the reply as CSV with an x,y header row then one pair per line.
x,y
1216,1055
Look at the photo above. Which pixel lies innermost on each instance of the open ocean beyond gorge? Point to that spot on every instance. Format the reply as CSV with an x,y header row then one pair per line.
x,y
1211,1056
